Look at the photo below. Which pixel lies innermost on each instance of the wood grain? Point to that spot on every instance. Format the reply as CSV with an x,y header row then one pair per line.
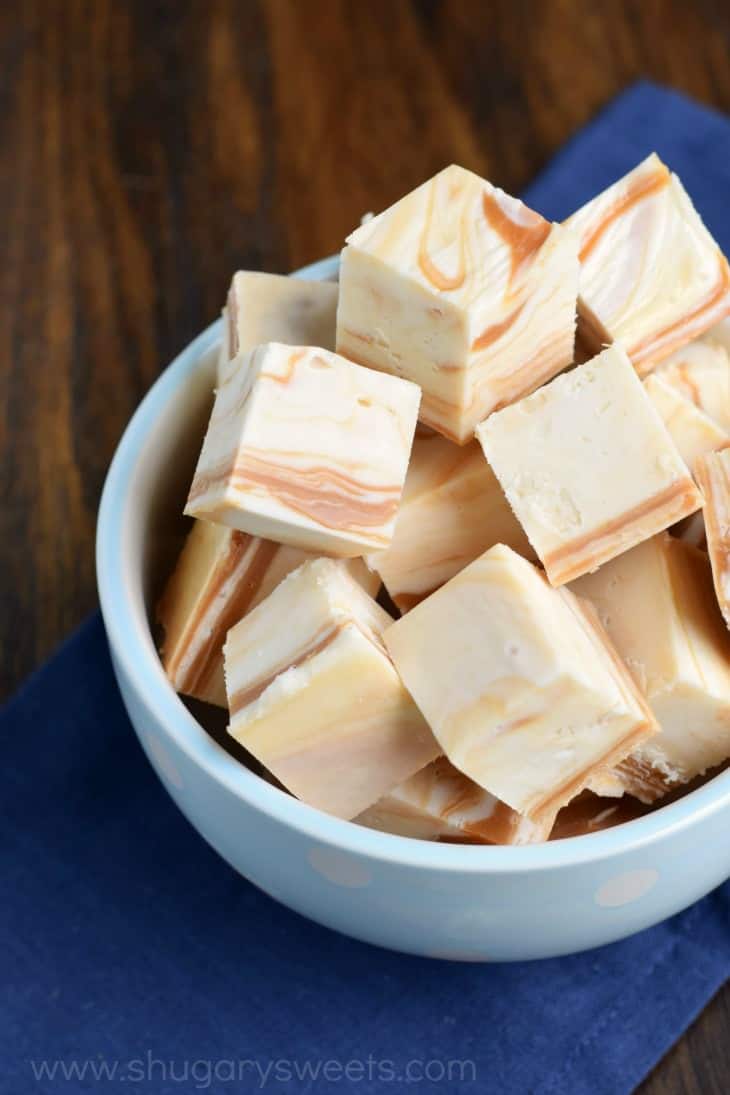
x,y
151,147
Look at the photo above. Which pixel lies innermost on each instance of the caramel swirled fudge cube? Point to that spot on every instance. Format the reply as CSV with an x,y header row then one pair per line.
x,y
273,308
314,696
713,476
588,466
520,686
658,606
465,291
221,575
652,277
441,803
308,449
452,510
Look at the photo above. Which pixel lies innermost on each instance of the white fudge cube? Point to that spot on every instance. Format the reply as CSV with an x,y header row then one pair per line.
x,y
452,510
588,466
652,277
308,449
273,308
464,290
221,575
658,606
315,698
522,690
441,803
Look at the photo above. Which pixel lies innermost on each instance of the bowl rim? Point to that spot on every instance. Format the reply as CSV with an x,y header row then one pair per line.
x,y
135,654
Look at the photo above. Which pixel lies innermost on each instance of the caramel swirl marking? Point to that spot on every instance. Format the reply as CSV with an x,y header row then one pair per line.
x,y
689,382
496,330
202,668
636,191
248,695
286,377
577,783
465,794
428,267
660,344
206,479
323,494
574,558
523,240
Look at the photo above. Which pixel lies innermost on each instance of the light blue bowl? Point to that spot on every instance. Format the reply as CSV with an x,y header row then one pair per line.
x,y
447,901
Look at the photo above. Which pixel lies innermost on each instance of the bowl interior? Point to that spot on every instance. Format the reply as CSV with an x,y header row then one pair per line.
x,y
141,529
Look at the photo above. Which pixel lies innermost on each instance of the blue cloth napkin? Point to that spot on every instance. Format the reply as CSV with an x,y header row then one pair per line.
x,y
134,960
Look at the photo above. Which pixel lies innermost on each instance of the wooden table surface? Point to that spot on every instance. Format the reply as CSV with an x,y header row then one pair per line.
x,y
149,148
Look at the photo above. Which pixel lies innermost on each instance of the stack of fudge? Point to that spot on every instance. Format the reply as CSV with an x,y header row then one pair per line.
x,y
514,433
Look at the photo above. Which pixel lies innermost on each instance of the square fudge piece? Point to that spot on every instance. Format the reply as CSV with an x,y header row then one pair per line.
x,y
273,308
314,696
221,575
452,510
713,476
441,803
588,466
658,606
652,276
692,431
464,290
308,449
520,686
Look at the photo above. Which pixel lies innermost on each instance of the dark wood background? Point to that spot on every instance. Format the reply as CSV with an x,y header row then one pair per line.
x,y
148,148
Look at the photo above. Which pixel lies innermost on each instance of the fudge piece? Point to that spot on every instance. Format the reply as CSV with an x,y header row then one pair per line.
x,y
713,476
658,606
464,290
308,449
221,575
521,688
652,277
451,511
693,432
441,803
701,373
273,308
314,696
588,466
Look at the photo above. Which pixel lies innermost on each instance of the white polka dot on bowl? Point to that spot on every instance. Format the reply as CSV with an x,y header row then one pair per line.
x,y
625,888
338,868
